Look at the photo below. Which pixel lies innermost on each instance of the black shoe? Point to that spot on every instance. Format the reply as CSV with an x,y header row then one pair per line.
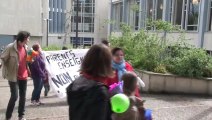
x,y
45,94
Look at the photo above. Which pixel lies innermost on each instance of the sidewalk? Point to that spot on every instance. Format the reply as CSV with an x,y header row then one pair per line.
x,y
165,107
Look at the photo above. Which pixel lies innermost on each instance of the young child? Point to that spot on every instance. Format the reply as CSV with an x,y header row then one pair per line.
x,y
136,110
46,84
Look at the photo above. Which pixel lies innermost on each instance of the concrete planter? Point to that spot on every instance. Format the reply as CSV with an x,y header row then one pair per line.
x,y
156,82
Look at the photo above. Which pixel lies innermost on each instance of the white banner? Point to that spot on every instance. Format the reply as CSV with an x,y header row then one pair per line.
x,y
63,67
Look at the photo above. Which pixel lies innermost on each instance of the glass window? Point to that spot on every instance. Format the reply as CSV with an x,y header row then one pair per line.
x,y
193,14
121,12
177,12
86,16
55,22
57,15
85,41
51,22
154,11
159,9
137,15
210,17
185,13
150,9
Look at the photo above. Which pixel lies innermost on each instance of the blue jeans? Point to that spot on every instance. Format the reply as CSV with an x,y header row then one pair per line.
x,y
38,85
17,87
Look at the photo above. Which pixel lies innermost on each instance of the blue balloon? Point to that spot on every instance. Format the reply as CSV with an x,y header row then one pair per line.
x,y
148,114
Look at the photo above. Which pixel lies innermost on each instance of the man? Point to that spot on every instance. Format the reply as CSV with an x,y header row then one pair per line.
x,y
16,71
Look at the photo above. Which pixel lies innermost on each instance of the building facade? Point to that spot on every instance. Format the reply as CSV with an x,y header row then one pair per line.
x,y
60,15
193,16
20,15
62,21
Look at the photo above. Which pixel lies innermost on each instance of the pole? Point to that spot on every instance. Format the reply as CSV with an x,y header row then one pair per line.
x,y
77,22
47,32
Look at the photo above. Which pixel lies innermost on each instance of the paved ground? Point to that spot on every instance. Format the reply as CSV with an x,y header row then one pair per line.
x,y
165,107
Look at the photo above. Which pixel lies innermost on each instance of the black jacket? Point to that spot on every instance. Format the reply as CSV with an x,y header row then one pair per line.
x,y
88,100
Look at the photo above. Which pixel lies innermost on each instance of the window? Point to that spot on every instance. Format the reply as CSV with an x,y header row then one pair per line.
x,y
85,18
210,17
185,13
176,12
57,14
85,41
154,10
137,7
117,16
159,12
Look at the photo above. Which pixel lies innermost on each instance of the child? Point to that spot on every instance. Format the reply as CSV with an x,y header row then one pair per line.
x,y
136,110
46,84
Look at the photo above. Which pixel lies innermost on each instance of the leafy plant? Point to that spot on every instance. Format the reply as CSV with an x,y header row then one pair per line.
x,y
148,51
160,69
55,47
191,63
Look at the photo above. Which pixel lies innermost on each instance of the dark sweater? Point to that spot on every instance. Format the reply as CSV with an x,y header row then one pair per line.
x,y
88,100
37,68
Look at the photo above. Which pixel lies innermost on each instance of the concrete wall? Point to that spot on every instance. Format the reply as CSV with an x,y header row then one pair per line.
x,y
208,41
100,27
191,38
101,15
35,39
19,15
158,83
55,39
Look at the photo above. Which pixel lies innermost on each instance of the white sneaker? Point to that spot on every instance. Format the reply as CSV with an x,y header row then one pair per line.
x,y
39,103
33,102
21,118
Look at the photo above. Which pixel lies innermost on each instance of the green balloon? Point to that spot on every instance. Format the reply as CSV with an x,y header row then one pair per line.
x,y
120,103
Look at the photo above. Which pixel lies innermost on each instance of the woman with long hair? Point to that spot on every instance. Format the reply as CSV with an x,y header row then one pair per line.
x,y
88,96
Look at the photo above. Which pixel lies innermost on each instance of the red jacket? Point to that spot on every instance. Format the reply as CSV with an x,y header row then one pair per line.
x,y
113,80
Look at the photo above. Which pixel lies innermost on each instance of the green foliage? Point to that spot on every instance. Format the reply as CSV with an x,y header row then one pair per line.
x,y
142,49
135,8
160,69
191,63
149,51
55,47
161,25
207,72
107,21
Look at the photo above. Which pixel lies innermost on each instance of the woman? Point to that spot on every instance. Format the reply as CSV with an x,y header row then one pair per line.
x,y
120,66
37,68
88,96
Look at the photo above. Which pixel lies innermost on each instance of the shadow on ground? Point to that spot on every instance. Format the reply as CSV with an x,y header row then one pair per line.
x,y
202,115
55,104
174,97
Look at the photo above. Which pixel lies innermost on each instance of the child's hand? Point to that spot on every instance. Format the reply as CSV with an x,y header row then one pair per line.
x,y
140,102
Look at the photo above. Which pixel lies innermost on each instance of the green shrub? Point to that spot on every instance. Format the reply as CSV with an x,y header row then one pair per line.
x,y
191,63
160,69
143,50
55,47
150,52
52,47
207,72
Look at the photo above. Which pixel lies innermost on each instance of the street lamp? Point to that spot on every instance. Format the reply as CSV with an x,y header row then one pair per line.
x,y
77,21
47,31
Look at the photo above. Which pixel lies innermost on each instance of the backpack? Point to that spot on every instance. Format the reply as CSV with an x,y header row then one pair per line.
x,y
84,102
